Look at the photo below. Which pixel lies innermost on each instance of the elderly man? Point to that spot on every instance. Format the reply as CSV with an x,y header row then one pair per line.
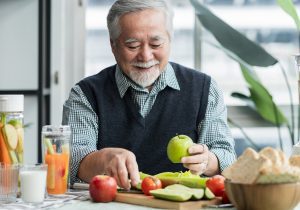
x,y
123,117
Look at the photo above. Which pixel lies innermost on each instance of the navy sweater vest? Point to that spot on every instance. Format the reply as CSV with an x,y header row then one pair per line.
x,y
174,112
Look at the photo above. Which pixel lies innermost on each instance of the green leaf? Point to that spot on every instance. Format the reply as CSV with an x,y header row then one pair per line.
x,y
233,40
289,8
240,96
263,100
247,99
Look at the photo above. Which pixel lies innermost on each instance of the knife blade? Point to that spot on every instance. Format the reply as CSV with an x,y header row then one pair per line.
x,y
85,186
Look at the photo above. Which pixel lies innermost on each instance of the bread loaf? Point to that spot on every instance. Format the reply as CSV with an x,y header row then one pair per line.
x,y
295,160
267,166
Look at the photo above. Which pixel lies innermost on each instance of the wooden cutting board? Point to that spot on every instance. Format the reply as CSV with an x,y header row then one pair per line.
x,y
150,201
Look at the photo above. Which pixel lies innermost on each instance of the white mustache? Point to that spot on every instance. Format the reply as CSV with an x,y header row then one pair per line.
x,y
145,65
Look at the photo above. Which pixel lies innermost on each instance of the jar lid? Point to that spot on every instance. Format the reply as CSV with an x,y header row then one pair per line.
x,y
11,103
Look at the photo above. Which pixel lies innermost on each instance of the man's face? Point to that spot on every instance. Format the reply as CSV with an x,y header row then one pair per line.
x,y
143,47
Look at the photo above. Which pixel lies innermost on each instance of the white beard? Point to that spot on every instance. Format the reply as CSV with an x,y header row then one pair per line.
x,y
145,78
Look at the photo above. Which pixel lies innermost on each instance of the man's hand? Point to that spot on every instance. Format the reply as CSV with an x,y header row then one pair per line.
x,y
201,160
121,164
116,162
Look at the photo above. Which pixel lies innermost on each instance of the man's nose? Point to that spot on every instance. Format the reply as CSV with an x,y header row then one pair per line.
x,y
145,54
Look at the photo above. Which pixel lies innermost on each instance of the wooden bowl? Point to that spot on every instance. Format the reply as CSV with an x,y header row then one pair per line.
x,y
263,196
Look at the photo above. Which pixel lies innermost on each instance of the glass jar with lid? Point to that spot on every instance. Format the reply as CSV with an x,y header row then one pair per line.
x,y
11,128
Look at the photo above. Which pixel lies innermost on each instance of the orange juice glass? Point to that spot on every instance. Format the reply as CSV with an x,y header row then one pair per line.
x,y
56,154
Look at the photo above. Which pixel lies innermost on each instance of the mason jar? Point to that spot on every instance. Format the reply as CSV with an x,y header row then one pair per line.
x,y
56,147
11,129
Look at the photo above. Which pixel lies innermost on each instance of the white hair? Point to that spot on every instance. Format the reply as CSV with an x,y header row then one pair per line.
x,y
121,7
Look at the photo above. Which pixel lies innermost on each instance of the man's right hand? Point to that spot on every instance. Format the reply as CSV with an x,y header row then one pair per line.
x,y
121,164
116,162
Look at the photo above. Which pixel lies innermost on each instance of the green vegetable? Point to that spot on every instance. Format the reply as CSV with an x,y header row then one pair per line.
x,y
185,178
208,194
172,195
197,194
49,146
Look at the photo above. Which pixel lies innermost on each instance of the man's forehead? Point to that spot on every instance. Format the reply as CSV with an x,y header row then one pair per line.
x,y
151,38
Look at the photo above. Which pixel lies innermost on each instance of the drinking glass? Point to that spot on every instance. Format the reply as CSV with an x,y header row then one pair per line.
x,y
9,174
33,183
296,147
56,154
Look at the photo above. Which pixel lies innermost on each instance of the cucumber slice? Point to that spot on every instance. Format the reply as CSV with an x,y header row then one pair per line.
x,y
171,195
185,178
192,182
139,186
208,194
197,194
49,146
143,175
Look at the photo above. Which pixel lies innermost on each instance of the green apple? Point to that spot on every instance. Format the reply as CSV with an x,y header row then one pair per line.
x,y
11,136
20,145
178,147
16,123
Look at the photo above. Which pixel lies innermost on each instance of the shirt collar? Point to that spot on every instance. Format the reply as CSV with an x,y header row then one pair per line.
x,y
166,78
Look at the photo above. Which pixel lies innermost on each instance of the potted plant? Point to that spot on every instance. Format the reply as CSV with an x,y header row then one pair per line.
x,y
249,54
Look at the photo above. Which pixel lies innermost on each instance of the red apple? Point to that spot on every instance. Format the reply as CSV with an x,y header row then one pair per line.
x,y
103,188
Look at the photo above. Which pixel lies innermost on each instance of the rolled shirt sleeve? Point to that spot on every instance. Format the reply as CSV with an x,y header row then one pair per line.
x,y
78,113
214,130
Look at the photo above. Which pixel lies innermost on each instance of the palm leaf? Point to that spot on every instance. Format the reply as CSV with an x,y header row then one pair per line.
x,y
289,8
247,53
263,100
259,95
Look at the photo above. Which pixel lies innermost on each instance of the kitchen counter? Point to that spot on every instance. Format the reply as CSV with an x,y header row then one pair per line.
x,y
122,206
80,200
113,206
87,204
